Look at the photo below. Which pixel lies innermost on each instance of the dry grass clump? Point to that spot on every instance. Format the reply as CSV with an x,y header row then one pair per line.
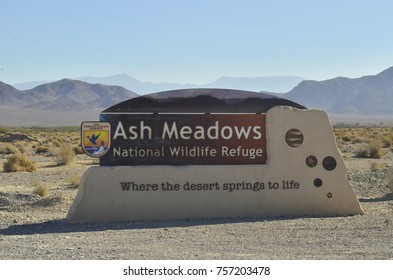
x,y
363,152
387,140
42,150
8,149
346,138
378,165
22,146
371,150
19,163
56,143
78,150
375,147
75,180
40,189
65,154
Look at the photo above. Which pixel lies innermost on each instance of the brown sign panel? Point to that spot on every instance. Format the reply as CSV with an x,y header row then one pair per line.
x,y
185,139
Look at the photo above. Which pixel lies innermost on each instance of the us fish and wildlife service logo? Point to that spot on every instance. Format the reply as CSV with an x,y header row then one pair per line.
x,y
96,138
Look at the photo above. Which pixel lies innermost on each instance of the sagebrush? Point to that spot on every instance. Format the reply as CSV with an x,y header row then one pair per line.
x,y
19,163
40,189
65,154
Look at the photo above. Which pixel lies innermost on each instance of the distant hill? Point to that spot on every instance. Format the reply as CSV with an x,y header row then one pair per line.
x,y
10,96
30,85
280,84
368,95
64,95
135,85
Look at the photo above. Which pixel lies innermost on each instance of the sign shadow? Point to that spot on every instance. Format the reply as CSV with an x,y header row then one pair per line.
x,y
62,226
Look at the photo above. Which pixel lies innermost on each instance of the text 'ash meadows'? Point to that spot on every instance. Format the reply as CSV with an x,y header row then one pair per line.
x,y
172,131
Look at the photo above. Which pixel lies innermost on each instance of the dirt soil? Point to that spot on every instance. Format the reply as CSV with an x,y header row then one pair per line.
x,y
32,227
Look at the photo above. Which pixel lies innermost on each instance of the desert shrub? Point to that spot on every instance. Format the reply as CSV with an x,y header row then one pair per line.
x,y
378,165
371,150
78,150
19,163
375,147
75,139
346,138
21,147
40,189
363,152
42,150
357,140
56,143
75,180
8,149
387,140
65,154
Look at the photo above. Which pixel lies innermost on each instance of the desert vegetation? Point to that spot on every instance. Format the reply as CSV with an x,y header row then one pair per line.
x,y
18,145
44,160
19,163
365,142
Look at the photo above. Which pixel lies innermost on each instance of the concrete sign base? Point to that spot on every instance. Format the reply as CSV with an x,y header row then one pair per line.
x,y
304,175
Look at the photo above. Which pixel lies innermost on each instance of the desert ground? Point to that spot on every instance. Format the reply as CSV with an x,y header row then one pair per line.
x,y
40,183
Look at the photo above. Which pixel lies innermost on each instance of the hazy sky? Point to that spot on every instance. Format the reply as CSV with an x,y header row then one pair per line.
x,y
193,41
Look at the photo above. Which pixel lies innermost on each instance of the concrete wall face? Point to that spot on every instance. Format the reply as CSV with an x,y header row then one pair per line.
x,y
304,175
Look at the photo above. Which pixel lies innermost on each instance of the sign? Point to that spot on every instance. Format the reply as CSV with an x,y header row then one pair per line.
x,y
211,153
96,138
185,139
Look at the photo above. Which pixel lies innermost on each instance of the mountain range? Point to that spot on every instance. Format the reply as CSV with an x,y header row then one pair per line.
x,y
64,95
368,95
71,101
271,84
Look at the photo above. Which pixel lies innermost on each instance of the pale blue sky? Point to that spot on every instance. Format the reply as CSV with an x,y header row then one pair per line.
x,y
193,41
